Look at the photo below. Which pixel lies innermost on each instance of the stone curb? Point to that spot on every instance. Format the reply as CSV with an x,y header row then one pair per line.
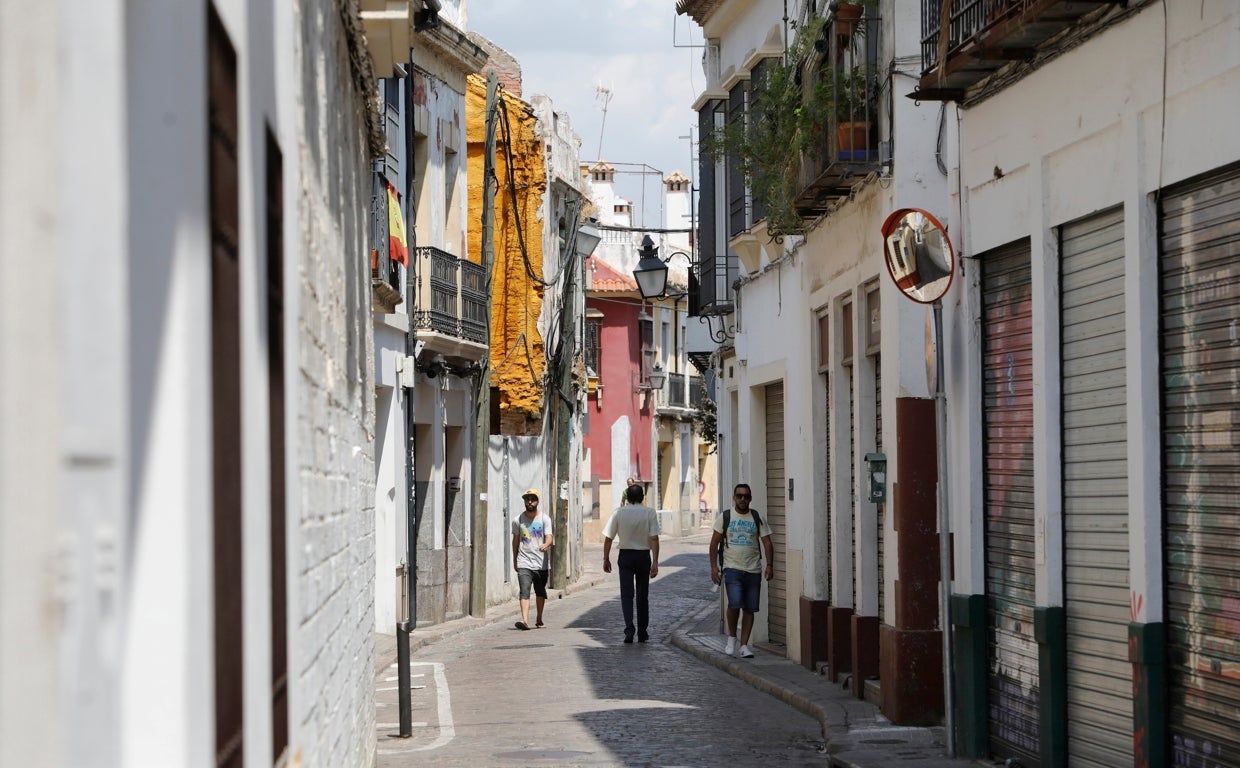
x,y
684,641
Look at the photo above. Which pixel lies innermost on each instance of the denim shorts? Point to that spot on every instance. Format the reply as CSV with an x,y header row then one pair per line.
x,y
744,589
527,577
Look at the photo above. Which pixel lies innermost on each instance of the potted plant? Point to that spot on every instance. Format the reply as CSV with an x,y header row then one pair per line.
x,y
788,117
852,94
846,18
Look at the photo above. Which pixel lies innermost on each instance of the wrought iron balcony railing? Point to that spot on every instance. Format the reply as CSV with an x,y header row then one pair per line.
x,y
682,390
451,295
984,36
845,71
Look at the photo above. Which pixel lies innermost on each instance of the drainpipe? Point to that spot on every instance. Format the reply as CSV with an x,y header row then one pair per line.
x,y
482,384
405,628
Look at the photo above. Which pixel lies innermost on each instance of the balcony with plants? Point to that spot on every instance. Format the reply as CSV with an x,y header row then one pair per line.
x,y
811,128
970,48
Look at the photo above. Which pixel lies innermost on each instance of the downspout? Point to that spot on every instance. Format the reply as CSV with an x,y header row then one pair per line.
x,y
482,397
405,628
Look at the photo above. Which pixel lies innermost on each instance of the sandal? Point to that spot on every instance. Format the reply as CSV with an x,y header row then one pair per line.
x,y
521,625
539,625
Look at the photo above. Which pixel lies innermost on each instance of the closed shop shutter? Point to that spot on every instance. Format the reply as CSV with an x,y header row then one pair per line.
x,y
880,508
854,541
777,604
1095,492
826,384
1200,231
1007,413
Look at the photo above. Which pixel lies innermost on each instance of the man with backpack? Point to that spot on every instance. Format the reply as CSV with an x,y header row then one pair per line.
x,y
736,560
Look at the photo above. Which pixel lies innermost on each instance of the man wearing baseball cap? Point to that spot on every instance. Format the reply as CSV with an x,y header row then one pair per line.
x,y
531,556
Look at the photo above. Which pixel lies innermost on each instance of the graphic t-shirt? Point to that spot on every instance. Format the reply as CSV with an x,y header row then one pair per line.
x,y
532,534
742,551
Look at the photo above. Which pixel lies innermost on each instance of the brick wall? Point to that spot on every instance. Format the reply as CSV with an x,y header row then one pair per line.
x,y
333,643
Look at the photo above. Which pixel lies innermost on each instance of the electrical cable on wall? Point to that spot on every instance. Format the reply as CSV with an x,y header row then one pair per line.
x,y
516,212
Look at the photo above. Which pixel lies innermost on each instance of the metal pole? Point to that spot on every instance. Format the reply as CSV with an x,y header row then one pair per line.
x,y
482,385
945,548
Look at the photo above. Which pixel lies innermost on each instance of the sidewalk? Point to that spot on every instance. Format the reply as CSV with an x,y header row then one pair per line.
x,y
857,735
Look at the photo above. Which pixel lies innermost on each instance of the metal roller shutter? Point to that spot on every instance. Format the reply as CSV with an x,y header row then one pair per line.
x,y
1007,412
1200,263
826,383
1095,492
855,541
777,605
880,508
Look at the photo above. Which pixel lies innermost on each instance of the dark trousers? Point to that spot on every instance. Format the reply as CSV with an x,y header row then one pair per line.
x,y
634,567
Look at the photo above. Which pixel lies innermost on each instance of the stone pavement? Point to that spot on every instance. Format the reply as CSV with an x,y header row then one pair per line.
x,y
856,733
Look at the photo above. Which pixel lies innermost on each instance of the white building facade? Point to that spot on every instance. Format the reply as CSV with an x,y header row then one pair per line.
x,y
822,378
188,515
1092,362
430,324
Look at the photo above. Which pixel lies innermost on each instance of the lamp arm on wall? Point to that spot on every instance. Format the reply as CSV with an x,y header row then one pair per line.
x,y
724,332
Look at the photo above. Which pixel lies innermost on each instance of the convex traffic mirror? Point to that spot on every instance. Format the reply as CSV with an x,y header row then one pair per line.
x,y
919,254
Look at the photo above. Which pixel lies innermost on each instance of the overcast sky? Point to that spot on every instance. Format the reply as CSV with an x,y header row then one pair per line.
x,y
568,49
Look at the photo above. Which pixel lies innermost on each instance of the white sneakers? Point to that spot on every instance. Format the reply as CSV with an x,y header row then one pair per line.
x,y
730,649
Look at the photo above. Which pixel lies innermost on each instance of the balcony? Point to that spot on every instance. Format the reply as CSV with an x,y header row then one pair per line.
x,y
385,274
844,71
986,36
680,394
450,312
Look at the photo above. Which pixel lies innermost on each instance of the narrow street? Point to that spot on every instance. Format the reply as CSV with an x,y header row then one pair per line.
x,y
573,694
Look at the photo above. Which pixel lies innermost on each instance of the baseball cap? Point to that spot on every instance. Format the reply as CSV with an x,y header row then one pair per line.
x,y
529,492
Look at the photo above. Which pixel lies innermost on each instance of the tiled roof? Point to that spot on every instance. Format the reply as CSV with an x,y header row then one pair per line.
x,y
606,279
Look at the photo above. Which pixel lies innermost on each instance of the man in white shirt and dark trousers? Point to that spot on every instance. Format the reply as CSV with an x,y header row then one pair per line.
x,y
637,528
741,570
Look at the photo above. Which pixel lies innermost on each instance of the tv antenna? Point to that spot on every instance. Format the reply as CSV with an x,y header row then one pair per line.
x,y
602,97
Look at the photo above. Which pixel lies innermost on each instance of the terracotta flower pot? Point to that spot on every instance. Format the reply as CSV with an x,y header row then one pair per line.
x,y
853,138
846,18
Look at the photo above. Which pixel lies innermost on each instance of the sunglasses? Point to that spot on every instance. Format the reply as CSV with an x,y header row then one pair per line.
x,y
743,496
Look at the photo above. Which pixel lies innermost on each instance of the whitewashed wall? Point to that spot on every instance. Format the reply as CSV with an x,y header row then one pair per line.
x,y
1040,154
516,464
107,378
777,340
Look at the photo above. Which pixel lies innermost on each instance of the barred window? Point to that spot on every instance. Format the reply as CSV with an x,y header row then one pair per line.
x,y
592,349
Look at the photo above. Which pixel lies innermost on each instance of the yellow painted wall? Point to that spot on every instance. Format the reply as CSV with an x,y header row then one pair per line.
x,y
518,360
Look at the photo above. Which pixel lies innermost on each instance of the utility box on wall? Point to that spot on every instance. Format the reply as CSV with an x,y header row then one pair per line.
x,y
876,472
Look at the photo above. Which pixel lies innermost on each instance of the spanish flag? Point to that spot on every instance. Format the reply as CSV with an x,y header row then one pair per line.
x,y
398,245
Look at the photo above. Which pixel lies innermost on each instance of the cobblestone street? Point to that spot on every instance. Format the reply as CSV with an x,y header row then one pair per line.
x,y
574,694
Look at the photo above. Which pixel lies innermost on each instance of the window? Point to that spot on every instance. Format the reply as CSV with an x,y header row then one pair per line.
x,y
592,348
665,344
451,169
846,333
874,325
824,343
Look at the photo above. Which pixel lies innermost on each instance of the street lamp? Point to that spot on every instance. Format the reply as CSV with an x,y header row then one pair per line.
x,y
588,238
657,377
651,271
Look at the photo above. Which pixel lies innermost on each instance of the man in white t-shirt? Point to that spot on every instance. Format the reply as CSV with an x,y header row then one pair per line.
x,y
531,556
741,570
637,528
